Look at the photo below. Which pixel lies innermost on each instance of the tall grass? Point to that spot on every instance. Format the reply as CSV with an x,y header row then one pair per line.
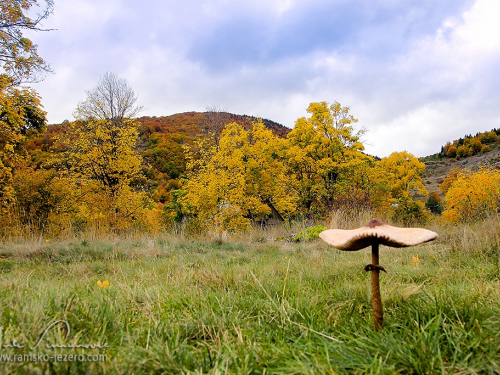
x,y
251,304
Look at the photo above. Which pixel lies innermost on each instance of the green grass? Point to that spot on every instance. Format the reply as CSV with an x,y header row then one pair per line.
x,y
178,306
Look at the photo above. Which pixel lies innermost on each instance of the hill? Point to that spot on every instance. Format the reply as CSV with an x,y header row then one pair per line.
x,y
437,167
196,123
162,144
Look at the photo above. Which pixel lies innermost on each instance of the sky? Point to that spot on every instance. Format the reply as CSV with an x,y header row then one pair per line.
x,y
415,73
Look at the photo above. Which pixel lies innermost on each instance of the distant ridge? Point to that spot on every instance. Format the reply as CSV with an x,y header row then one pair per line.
x,y
192,123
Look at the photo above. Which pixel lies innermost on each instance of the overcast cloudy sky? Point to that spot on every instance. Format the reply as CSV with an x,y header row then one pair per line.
x,y
416,73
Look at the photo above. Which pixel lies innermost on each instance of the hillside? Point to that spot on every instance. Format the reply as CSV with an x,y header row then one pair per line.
x,y
438,167
162,144
195,123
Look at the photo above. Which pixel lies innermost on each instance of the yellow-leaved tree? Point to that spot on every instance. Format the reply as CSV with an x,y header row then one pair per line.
x,y
450,178
21,115
398,177
473,196
241,178
325,157
103,163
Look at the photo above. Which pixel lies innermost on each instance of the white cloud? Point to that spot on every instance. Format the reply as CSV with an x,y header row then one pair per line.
x,y
415,77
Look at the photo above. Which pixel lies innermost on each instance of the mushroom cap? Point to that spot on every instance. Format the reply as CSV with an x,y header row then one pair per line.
x,y
376,231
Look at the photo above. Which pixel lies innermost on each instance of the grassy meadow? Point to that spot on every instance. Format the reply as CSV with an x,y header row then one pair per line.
x,y
251,304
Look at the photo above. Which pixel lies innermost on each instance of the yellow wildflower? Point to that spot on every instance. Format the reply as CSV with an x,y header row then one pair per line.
x,y
415,260
102,284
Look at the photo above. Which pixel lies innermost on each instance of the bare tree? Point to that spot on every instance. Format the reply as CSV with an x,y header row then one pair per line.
x,y
214,122
113,99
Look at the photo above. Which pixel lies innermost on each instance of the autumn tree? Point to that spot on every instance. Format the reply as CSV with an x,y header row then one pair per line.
x,y
18,54
399,178
21,113
324,154
490,137
449,180
241,178
473,196
102,156
452,151
21,116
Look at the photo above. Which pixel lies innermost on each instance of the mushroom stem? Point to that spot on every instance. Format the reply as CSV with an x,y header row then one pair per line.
x,y
377,300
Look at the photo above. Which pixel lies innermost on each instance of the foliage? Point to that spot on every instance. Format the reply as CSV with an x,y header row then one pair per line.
x,y
241,178
409,212
324,155
227,179
166,163
452,151
21,116
433,204
473,196
449,180
193,124
398,178
309,233
43,200
103,167
469,145
19,54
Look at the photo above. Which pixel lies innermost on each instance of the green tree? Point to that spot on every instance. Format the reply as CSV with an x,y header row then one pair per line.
x,y
433,204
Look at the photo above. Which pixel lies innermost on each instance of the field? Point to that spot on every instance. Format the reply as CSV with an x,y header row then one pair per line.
x,y
250,305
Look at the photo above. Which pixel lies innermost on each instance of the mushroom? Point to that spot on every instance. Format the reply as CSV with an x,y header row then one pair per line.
x,y
374,233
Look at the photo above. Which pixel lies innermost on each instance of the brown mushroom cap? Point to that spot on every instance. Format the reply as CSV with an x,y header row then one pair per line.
x,y
376,231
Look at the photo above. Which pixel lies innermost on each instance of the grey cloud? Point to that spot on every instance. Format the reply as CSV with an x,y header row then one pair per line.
x,y
380,58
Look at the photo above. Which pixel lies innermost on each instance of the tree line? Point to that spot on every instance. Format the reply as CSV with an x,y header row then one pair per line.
x,y
470,145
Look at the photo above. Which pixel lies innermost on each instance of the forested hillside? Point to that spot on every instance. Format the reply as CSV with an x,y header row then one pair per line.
x,y
162,143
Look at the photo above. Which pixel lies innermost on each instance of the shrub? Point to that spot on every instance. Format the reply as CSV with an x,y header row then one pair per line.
x,y
309,234
434,204
452,152
473,196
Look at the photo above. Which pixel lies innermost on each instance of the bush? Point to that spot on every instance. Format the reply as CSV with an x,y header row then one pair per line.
x,y
309,234
473,196
409,212
434,204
